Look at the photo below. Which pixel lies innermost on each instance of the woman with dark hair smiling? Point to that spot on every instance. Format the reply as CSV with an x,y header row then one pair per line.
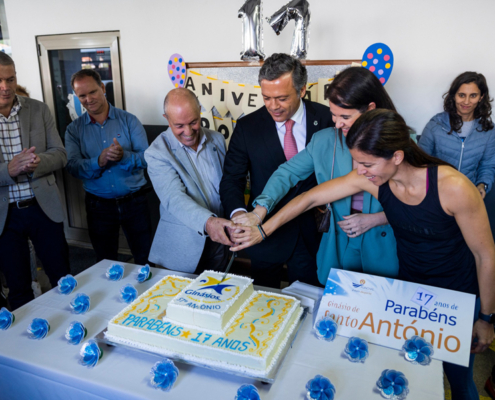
x,y
464,134
439,220
359,237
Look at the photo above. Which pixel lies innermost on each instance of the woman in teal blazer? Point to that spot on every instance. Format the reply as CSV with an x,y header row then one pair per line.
x,y
362,242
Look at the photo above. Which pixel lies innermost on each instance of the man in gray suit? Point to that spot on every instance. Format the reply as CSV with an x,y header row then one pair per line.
x,y
185,166
30,206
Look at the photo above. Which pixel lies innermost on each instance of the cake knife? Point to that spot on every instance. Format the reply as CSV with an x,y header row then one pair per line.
x,y
234,255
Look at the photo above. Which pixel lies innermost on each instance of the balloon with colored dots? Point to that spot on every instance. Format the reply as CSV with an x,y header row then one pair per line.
x,y
177,70
378,58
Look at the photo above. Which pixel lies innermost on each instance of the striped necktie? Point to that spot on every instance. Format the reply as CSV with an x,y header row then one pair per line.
x,y
290,146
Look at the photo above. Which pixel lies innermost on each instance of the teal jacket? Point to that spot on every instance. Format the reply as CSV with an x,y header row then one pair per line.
x,y
378,246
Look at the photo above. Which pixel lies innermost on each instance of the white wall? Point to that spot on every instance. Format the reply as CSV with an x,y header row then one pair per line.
x,y
432,41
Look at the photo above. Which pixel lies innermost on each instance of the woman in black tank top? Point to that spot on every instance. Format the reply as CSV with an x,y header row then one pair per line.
x,y
438,216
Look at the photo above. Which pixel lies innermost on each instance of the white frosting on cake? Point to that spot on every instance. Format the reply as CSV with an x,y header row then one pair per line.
x,y
208,302
253,340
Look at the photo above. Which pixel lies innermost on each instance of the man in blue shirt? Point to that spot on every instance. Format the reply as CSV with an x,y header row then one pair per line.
x,y
105,148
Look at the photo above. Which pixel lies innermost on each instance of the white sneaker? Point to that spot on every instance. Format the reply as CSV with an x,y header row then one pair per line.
x,y
36,289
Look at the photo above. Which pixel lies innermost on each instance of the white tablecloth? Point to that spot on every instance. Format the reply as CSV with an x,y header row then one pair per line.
x,y
49,368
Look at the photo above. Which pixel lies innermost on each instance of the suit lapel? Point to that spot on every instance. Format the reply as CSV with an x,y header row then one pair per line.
x,y
313,121
24,118
268,130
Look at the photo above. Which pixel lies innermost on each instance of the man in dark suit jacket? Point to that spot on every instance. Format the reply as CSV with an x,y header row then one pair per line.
x,y
261,142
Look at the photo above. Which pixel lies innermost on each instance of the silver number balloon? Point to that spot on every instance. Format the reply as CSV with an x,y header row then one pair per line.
x,y
297,10
252,30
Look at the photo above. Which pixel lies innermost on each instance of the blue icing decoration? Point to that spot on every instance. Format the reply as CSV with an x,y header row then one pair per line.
x,y
75,333
418,351
128,293
115,272
164,374
393,385
326,328
144,273
67,284
320,388
90,354
80,304
247,392
356,349
6,319
38,329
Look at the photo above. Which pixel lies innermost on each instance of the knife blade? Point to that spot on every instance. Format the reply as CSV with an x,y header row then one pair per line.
x,y
234,255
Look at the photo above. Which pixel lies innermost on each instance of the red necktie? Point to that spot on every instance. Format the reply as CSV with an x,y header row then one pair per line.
x,y
290,146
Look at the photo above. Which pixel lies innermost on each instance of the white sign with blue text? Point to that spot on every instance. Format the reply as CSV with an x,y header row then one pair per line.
x,y
388,311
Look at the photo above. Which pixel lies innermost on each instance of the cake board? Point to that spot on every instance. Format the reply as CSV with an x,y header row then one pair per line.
x,y
196,361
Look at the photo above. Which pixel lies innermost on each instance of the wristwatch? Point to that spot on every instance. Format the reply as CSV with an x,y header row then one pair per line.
x,y
490,318
484,184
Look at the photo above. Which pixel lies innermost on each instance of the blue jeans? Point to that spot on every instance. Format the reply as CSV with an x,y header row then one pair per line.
x,y
49,242
461,378
106,216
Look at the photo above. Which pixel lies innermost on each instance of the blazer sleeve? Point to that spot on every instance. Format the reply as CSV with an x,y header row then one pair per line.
x,y
5,178
298,168
235,170
55,156
486,167
173,193
427,141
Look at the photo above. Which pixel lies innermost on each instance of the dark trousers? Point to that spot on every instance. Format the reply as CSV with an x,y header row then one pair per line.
x,y
49,242
301,266
215,257
461,378
106,216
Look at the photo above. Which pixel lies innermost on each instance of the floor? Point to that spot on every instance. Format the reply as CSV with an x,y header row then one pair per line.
x,y
81,259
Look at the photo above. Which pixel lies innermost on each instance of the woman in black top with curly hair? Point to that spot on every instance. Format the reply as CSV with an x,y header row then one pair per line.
x,y
464,134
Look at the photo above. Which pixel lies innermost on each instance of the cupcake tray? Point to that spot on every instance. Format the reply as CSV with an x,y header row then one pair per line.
x,y
196,361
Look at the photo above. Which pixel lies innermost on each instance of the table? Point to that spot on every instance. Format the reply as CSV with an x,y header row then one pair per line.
x,y
49,368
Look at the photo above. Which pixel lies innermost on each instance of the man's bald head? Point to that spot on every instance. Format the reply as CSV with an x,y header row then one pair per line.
x,y
183,113
180,97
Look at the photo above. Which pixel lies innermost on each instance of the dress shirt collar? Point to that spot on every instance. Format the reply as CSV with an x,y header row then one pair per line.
x,y
15,107
297,117
90,120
